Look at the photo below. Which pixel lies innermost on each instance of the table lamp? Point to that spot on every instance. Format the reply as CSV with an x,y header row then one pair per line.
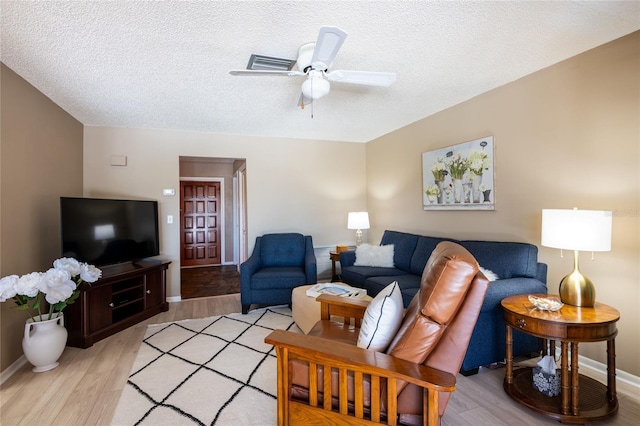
x,y
577,230
359,221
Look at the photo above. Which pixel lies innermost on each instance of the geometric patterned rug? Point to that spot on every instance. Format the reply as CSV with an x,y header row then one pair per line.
x,y
211,371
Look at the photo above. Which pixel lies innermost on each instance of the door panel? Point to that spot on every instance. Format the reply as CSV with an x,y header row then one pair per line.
x,y
199,223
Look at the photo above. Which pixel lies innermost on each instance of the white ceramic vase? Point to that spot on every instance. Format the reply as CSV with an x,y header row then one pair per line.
x,y
475,187
440,184
44,342
458,190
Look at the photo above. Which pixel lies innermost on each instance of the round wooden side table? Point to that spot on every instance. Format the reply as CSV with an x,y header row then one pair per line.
x,y
582,399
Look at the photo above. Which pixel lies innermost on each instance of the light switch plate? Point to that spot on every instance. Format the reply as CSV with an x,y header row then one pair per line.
x,y
168,191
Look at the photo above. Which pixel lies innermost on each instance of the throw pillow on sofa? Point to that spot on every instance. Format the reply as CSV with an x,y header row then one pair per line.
x,y
378,256
491,276
382,319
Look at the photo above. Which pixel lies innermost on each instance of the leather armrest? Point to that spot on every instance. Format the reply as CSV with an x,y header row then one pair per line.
x,y
377,363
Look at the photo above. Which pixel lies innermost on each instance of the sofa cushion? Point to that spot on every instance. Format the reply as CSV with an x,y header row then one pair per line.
x,y
404,246
508,287
357,275
382,319
505,259
282,250
424,248
278,277
408,283
376,256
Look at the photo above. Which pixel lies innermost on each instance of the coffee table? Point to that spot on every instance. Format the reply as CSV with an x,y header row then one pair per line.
x,y
305,310
582,399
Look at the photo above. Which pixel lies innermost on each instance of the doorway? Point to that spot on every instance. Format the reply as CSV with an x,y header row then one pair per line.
x,y
212,205
201,210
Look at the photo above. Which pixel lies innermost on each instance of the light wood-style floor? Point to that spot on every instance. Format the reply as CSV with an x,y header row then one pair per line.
x,y
85,388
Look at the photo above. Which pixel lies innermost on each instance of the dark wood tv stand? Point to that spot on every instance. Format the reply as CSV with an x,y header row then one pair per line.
x,y
125,295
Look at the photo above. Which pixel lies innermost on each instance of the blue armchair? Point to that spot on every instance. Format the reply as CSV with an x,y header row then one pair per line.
x,y
278,264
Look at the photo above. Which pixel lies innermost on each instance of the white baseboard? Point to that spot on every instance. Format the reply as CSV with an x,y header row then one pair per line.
x,y
172,299
626,383
11,370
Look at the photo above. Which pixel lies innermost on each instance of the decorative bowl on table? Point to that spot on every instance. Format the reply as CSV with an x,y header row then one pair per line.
x,y
544,304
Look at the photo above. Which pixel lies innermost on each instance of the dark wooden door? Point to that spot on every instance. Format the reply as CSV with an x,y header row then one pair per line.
x,y
200,223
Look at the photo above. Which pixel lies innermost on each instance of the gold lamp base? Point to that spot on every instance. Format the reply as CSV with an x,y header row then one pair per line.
x,y
576,289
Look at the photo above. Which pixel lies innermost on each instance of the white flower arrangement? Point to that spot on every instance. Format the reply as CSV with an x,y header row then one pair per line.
x,y
478,162
457,166
432,190
58,286
439,169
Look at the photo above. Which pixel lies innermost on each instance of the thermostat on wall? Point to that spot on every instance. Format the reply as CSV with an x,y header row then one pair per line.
x,y
168,191
118,160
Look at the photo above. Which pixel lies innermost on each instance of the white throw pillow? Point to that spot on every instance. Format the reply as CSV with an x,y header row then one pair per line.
x,y
380,256
382,319
491,276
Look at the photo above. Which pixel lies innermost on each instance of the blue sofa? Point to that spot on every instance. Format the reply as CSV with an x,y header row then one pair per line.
x,y
515,264
278,264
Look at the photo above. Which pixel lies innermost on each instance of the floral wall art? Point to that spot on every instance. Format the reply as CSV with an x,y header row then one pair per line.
x,y
459,177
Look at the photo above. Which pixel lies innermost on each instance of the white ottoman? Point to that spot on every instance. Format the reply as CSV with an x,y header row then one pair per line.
x,y
305,310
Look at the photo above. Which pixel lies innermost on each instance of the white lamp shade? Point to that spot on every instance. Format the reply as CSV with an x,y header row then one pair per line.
x,y
315,87
582,230
358,220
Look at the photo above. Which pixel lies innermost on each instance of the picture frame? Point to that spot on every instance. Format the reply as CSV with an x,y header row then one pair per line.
x,y
459,177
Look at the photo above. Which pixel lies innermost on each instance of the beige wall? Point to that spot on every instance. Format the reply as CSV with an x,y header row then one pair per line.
x,y
567,136
292,185
41,160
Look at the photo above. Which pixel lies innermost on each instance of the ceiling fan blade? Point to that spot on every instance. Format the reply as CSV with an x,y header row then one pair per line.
x,y
329,41
266,72
368,78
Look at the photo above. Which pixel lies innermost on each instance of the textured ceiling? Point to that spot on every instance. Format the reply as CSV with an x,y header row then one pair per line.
x,y
165,64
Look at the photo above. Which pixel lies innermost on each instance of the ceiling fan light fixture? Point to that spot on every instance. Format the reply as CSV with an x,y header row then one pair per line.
x,y
315,87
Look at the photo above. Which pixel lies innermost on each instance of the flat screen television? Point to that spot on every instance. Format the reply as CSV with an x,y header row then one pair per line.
x,y
106,232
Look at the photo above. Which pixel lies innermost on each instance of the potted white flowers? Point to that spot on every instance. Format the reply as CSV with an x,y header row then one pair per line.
x,y
458,165
432,192
478,162
45,336
439,169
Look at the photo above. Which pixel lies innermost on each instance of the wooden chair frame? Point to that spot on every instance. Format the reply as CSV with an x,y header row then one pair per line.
x,y
378,368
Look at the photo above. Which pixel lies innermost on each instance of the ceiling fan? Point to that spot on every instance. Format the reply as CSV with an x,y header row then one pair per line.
x,y
314,61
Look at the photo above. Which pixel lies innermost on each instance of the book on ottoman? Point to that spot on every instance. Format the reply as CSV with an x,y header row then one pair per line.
x,y
335,289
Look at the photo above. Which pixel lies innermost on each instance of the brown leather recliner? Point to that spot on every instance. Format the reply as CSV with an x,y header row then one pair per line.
x,y
409,384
